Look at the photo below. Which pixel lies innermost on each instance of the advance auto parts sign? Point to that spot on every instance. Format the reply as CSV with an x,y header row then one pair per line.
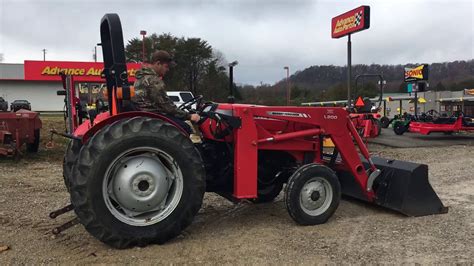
x,y
82,71
353,21
417,73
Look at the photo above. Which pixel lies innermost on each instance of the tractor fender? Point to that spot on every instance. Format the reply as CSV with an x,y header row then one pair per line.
x,y
86,131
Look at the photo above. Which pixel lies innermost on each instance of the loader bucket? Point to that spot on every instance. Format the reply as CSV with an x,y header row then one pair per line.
x,y
402,187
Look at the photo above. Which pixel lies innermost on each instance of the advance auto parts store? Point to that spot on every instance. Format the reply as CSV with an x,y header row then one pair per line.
x,y
38,81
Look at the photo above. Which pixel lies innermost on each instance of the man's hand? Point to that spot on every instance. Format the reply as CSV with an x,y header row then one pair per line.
x,y
195,118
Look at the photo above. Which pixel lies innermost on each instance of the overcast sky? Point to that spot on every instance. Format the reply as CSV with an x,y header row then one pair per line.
x,y
263,36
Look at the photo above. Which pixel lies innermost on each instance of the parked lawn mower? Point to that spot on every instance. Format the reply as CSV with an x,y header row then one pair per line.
x,y
401,123
18,128
136,177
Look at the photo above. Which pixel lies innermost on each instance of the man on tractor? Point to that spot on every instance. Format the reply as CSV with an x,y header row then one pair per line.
x,y
150,93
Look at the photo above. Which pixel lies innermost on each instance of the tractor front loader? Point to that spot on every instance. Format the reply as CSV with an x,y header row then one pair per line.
x,y
136,177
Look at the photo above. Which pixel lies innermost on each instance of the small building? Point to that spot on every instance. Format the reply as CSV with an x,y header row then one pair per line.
x,y
464,104
38,81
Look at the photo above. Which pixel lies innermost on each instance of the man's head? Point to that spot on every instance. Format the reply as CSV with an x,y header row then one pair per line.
x,y
161,62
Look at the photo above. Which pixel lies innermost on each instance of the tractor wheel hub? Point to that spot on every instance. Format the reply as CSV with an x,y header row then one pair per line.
x,y
141,184
315,196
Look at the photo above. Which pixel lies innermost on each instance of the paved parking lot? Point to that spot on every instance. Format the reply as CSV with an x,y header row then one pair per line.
x,y
412,140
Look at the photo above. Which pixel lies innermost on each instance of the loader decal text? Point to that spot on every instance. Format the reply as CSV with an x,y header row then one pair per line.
x,y
330,115
288,114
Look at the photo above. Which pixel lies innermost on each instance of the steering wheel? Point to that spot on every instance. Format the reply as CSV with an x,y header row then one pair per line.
x,y
188,104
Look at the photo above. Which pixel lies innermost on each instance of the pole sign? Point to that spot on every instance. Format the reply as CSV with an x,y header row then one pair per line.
x,y
350,22
419,73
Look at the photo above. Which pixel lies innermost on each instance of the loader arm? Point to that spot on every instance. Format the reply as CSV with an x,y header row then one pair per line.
x,y
332,122
397,185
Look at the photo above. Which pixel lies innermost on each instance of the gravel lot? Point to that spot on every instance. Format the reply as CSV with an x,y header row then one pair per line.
x,y
247,233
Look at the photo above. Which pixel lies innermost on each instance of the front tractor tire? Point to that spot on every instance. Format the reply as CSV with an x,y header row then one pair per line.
x,y
312,194
137,181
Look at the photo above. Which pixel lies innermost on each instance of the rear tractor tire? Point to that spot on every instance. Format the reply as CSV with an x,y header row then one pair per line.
x,y
312,194
385,122
137,181
70,158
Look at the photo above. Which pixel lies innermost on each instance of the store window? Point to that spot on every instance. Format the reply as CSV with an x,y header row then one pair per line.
x,y
89,93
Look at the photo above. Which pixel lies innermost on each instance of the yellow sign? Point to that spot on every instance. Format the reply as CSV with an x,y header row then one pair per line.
x,y
416,72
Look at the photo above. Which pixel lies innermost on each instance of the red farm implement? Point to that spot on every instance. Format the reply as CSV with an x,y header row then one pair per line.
x,y
367,124
443,125
137,178
18,128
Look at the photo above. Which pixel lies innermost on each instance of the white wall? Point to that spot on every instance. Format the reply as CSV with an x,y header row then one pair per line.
x,y
41,94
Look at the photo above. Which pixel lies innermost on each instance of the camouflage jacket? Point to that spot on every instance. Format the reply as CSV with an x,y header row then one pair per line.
x,y
150,95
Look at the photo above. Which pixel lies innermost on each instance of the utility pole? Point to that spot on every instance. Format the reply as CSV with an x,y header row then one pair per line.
x,y
95,53
288,89
44,54
143,33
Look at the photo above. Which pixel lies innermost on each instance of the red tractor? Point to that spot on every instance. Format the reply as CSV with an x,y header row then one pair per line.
x,y
137,178
364,114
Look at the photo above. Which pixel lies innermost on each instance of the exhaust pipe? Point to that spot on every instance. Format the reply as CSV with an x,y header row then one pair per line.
x,y
400,186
